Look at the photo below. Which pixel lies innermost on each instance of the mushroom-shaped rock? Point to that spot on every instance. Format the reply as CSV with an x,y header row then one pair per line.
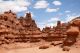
x,y
75,22
73,31
72,34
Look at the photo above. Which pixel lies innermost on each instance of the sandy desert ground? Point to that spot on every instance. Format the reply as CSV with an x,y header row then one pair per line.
x,y
34,48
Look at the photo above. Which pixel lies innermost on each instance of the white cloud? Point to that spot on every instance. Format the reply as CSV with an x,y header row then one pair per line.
x,y
53,19
41,4
45,24
67,11
41,25
14,5
57,3
52,9
70,17
51,24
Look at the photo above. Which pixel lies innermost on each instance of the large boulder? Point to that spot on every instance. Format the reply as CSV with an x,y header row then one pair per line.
x,y
72,34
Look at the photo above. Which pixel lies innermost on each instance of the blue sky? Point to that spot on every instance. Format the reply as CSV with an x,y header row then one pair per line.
x,y
44,12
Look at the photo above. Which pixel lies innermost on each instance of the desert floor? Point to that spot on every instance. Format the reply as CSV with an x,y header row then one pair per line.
x,y
34,48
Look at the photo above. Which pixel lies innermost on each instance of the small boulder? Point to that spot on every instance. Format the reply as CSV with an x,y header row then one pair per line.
x,y
56,43
44,47
66,48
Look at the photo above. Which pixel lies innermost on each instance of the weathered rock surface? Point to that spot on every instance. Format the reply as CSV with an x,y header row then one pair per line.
x,y
44,47
66,48
13,28
72,32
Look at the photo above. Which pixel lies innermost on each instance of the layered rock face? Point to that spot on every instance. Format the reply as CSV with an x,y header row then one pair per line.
x,y
9,26
68,30
73,31
13,29
57,30
75,22
56,33
29,25
72,34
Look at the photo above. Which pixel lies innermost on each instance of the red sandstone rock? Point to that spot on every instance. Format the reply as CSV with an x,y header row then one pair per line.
x,y
75,22
66,48
13,27
73,31
72,34
20,28
44,47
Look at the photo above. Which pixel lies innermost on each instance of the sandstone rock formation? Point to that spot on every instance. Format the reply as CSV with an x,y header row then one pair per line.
x,y
56,33
72,32
14,29
75,22
29,25
23,29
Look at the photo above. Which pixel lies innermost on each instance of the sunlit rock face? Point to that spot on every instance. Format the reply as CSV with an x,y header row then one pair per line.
x,y
72,34
75,22
72,31
29,24
13,28
58,30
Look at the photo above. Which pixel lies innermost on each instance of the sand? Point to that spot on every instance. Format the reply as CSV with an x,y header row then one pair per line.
x,y
34,48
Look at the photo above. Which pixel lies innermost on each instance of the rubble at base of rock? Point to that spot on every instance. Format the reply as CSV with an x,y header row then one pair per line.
x,y
23,29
